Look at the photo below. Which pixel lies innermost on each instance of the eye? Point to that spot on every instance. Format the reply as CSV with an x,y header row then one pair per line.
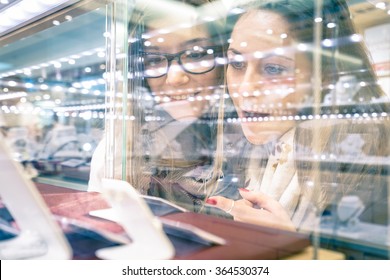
x,y
274,69
154,60
194,55
238,65
236,61
151,60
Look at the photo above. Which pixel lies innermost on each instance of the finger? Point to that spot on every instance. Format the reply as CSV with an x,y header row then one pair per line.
x,y
257,198
228,205
271,218
262,200
221,202
244,211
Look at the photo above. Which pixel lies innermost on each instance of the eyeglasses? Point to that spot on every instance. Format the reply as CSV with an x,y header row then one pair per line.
x,y
198,60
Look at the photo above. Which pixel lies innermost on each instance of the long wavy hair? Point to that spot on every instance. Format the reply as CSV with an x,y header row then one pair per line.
x,y
320,129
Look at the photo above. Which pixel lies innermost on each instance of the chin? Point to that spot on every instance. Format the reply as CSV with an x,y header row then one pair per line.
x,y
182,110
261,136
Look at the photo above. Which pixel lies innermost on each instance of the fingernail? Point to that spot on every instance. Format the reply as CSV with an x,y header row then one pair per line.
x,y
211,201
243,190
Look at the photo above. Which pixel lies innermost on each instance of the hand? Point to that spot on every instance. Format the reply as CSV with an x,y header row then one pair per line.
x,y
255,208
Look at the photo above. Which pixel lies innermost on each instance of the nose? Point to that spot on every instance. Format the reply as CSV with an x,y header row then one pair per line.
x,y
255,90
251,82
176,76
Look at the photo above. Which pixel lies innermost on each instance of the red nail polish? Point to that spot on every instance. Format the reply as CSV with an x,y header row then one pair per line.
x,y
243,190
211,201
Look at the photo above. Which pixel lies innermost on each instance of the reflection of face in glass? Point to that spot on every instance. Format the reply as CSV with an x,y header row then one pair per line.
x,y
181,70
265,75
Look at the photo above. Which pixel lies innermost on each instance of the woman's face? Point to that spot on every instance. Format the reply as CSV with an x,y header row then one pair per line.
x,y
182,94
266,75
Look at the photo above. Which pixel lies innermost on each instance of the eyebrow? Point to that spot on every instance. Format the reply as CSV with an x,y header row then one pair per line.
x,y
183,44
266,56
192,41
152,48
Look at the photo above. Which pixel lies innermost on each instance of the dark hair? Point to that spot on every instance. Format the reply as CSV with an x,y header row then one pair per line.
x,y
139,25
168,172
343,57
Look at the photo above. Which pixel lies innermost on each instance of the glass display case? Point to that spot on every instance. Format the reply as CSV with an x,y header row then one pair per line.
x,y
271,113
53,86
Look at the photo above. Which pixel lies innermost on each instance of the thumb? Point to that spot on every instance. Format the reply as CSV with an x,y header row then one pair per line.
x,y
257,198
261,200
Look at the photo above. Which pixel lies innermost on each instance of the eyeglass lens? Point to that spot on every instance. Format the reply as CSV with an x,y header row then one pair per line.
x,y
196,61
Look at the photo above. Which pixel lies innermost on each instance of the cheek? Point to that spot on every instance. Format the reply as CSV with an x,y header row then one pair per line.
x,y
294,98
233,79
155,84
212,77
303,73
236,102
303,89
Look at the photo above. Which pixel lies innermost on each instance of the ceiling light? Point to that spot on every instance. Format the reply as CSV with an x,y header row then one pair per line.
x,y
26,10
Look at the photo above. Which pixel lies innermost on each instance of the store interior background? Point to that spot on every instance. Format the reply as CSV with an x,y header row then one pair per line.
x,y
53,81
53,74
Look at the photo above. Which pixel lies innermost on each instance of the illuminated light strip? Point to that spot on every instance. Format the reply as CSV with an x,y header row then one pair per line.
x,y
12,95
94,114
26,10
81,108
69,59
365,116
56,88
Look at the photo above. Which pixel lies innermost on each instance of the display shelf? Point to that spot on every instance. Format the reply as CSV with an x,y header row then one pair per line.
x,y
59,181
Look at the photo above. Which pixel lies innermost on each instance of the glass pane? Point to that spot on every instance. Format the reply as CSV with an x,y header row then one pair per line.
x,y
309,82
268,112
272,113
53,94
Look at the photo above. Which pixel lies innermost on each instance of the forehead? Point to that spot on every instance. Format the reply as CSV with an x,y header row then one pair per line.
x,y
259,28
176,37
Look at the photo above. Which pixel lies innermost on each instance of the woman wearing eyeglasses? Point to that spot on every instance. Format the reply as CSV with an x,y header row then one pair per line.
x,y
177,67
183,70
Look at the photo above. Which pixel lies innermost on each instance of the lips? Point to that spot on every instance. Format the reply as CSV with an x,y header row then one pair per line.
x,y
173,98
249,114
269,113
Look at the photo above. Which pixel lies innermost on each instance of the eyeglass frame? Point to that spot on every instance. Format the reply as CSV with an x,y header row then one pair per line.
x,y
176,56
